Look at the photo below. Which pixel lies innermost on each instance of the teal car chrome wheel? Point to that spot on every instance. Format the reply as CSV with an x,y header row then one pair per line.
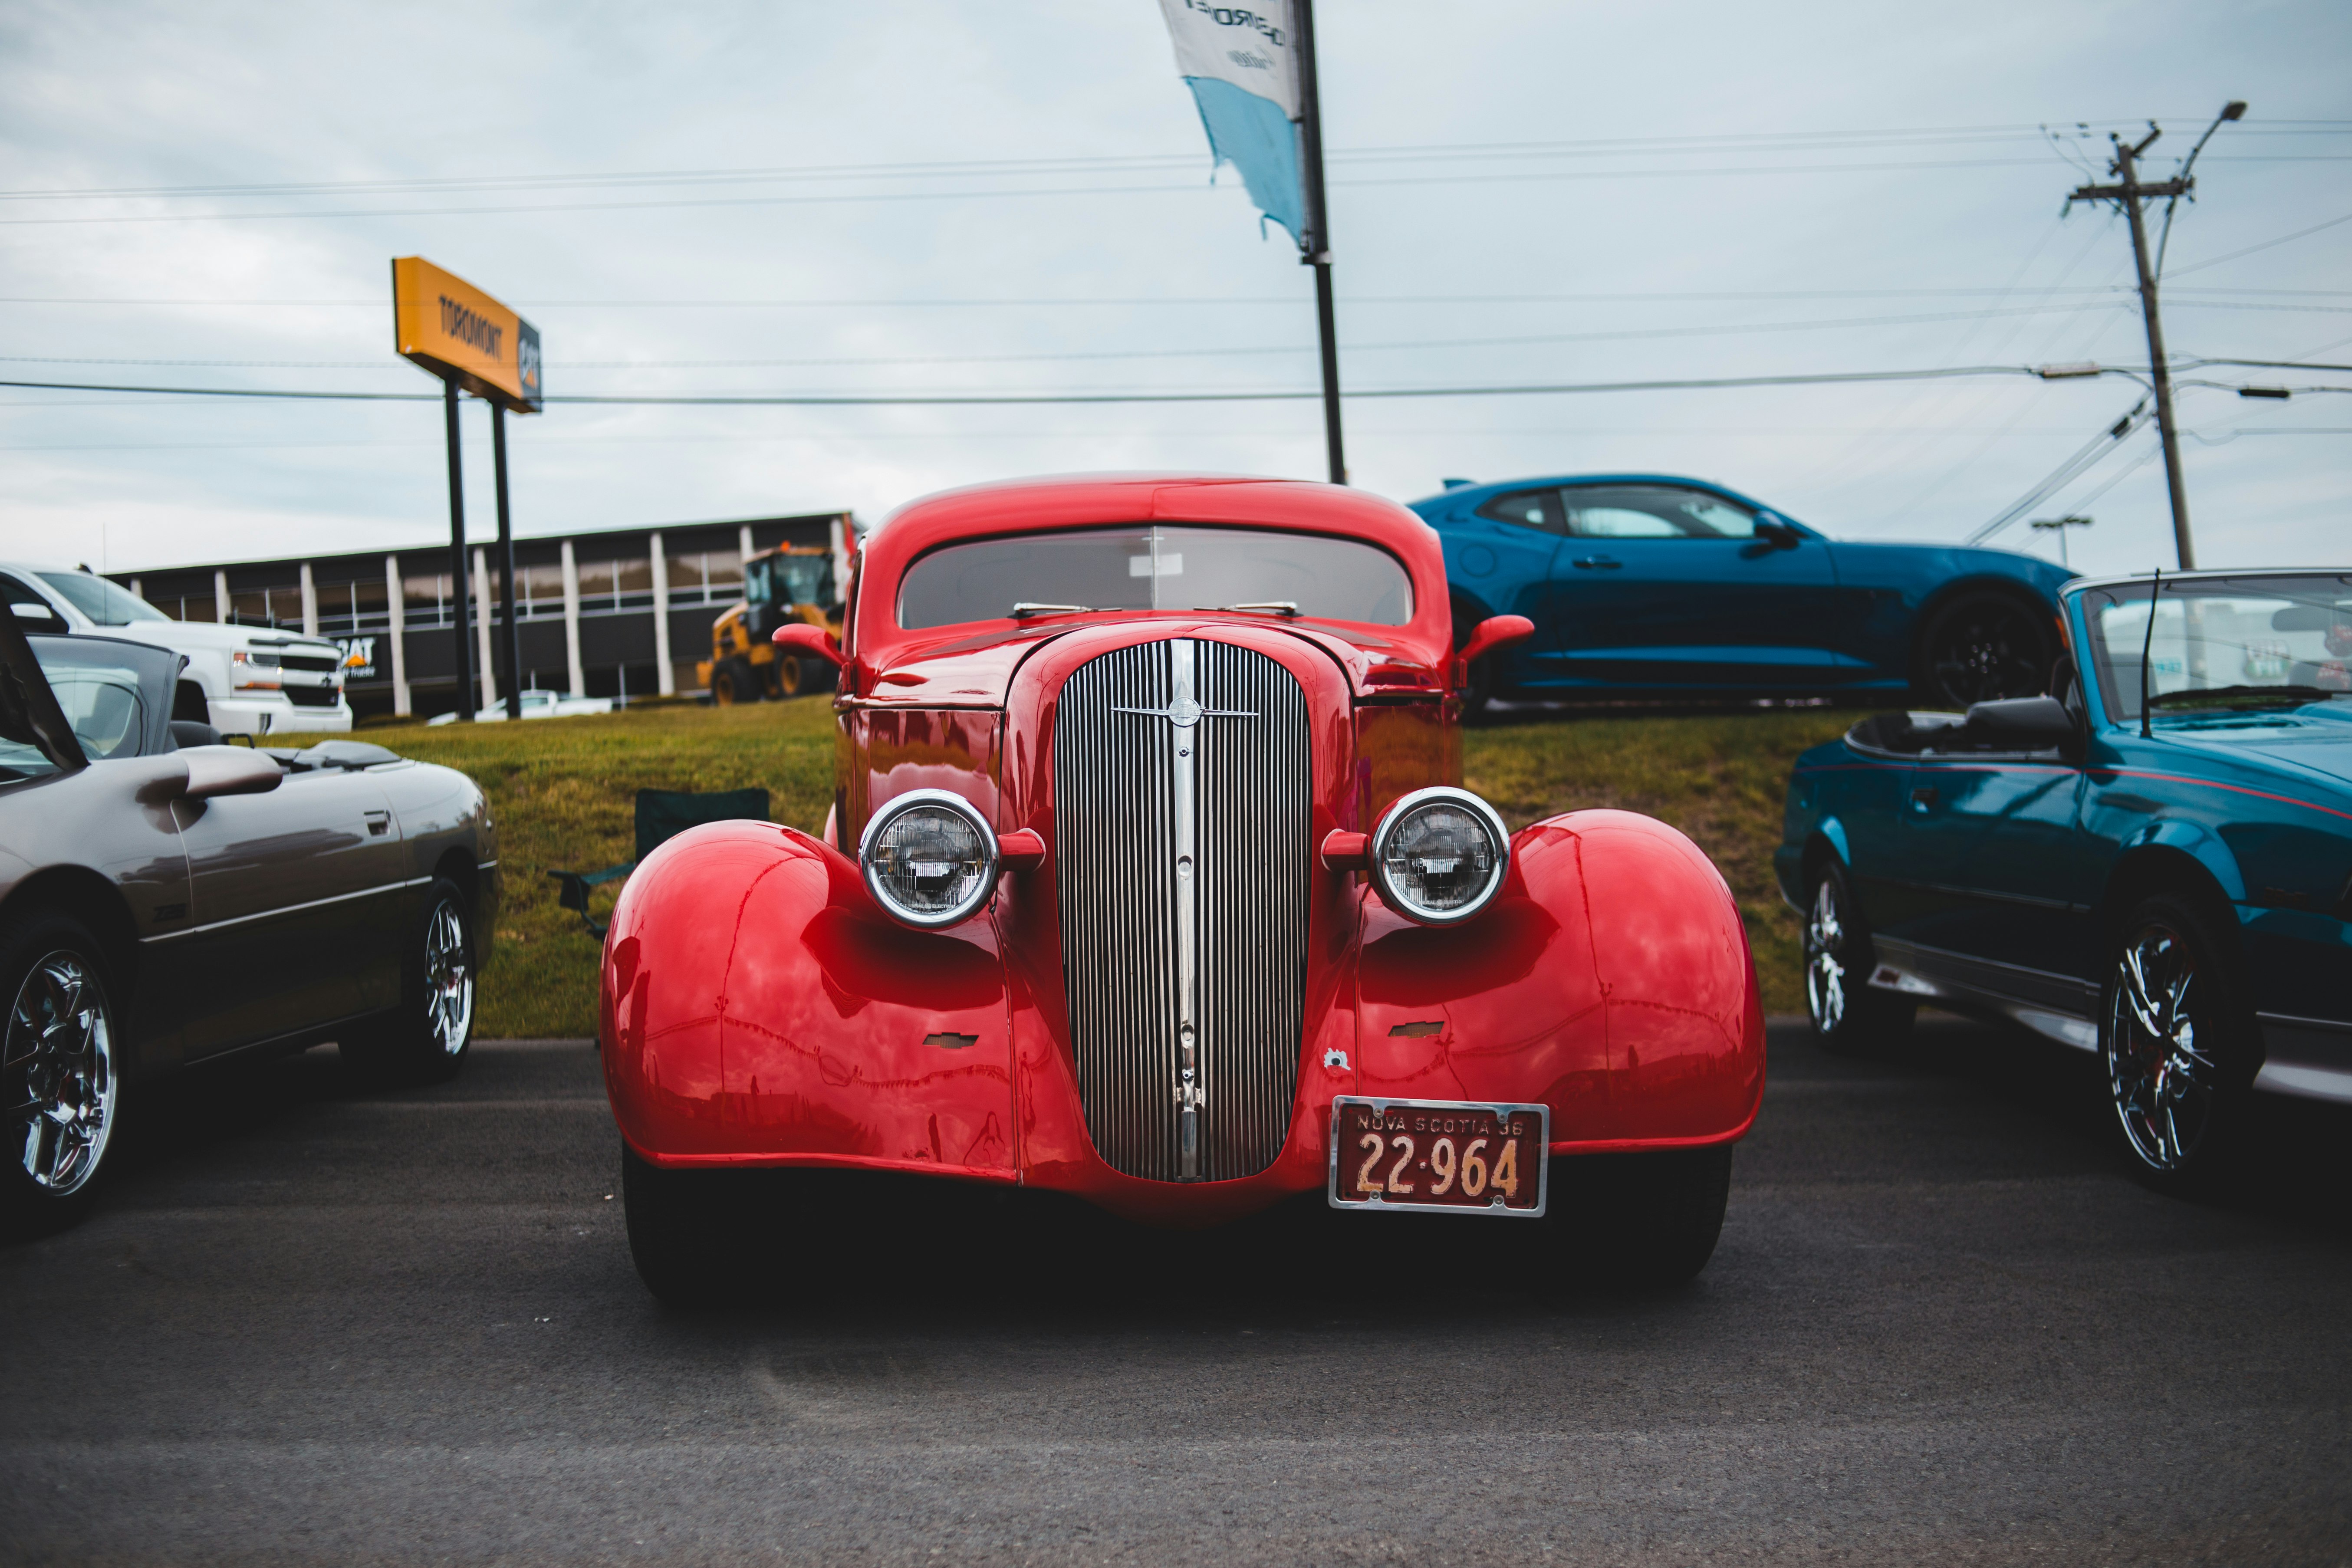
x,y
2165,1085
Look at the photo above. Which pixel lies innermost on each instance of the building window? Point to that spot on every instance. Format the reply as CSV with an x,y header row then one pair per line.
x,y
425,601
539,590
273,607
633,583
346,609
595,587
608,586
706,577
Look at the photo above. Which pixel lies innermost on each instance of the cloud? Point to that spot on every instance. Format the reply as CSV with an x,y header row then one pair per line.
x,y
1432,249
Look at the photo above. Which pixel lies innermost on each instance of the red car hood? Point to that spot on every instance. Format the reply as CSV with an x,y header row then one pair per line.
x,y
976,671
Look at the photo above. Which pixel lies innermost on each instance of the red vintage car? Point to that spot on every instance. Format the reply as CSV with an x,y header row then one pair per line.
x,y
1150,878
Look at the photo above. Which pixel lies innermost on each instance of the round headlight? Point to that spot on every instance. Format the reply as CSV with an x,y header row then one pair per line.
x,y
929,858
1439,856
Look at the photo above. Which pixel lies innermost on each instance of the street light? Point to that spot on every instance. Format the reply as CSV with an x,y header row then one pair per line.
x,y
2059,525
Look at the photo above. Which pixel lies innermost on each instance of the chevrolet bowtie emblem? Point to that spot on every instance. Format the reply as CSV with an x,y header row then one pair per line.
x,y
1185,712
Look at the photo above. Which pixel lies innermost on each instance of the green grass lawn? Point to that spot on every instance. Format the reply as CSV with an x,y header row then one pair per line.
x,y
1718,777
562,790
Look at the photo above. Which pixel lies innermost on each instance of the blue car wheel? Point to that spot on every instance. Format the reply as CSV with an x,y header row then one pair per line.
x,y
2172,1034
1980,648
1847,1013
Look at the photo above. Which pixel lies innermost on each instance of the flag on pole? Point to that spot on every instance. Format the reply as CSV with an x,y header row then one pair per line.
x,y
1238,63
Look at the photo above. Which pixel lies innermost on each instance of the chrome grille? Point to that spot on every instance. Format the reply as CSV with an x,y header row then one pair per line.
x,y
1147,951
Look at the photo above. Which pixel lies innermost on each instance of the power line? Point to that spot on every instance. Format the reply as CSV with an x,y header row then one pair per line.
x,y
2088,456
1802,141
860,400
2282,240
1115,354
678,203
1213,300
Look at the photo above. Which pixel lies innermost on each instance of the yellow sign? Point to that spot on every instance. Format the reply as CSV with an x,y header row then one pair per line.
x,y
461,334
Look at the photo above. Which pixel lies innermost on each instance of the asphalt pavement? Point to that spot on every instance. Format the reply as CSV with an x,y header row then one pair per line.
x,y
312,1324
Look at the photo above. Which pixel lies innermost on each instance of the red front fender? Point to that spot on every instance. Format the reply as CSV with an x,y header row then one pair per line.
x,y
757,1009
1611,979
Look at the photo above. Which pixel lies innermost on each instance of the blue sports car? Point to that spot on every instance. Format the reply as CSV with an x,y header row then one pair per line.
x,y
2167,882
1648,586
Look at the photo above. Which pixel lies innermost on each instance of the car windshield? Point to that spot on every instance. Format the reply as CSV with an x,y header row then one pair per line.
x,y
100,600
101,701
2223,645
1146,567
792,580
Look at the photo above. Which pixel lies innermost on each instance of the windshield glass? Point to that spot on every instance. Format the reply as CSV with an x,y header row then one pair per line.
x,y
102,704
100,600
1140,566
804,579
103,701
2223,644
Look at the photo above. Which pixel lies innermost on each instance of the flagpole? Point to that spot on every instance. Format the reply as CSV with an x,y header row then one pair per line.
x,y
1315,244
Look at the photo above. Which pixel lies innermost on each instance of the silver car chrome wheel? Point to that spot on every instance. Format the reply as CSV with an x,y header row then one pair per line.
x,y
2165,1084
1825,954
448,978
59,1061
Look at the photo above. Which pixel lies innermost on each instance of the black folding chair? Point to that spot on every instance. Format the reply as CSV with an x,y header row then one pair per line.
x,y
662,815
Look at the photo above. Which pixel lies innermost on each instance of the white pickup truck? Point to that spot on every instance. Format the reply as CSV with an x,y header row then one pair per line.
x,y
242,680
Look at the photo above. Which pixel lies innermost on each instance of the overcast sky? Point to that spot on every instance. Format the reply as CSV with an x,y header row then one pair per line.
x,y
921,197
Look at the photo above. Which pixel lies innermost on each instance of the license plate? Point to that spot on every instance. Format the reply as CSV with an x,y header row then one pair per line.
x,y
1450,1156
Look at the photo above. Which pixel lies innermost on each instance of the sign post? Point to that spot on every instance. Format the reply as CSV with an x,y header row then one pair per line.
x,y
474,344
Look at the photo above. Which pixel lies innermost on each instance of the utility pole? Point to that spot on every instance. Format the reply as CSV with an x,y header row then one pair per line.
x,y
508,647
458,569
2128,194
1315,244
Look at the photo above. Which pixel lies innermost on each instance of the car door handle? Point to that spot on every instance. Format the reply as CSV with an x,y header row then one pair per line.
x,y
379,823
1922,798
1597,563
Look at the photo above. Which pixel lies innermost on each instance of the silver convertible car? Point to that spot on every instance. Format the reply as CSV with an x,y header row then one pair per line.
x,y
167,900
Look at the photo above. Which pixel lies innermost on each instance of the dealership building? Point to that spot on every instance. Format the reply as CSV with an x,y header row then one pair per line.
x,y
621,613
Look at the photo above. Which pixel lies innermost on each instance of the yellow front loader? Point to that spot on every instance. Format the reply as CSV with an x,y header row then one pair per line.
x,y
795,583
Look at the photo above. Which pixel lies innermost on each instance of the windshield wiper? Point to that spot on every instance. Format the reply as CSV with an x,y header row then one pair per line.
x,y
1025,609
1267,607
2242,696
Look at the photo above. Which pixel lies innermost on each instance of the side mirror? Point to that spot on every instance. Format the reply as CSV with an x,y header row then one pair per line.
x,y
2021,723
33,610
227,770
1779,535
802,637
1494,631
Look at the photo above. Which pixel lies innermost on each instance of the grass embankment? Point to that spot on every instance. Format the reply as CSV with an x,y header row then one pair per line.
x,y
1720,778
563,792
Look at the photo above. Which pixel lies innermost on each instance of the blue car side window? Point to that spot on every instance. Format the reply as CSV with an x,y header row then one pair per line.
x,y
1655,512
1527,509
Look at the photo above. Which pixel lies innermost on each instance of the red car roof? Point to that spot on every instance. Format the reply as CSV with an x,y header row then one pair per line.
x,y
1096,500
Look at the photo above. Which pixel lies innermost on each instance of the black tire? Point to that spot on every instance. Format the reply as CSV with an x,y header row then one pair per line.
x,y
676,1232
424,1039
61,1063
1847,1013
1646,1221
735,681
2177,1039
1980,647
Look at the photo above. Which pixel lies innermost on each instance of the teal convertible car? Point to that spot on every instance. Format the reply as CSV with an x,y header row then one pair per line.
x,y
2154,863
